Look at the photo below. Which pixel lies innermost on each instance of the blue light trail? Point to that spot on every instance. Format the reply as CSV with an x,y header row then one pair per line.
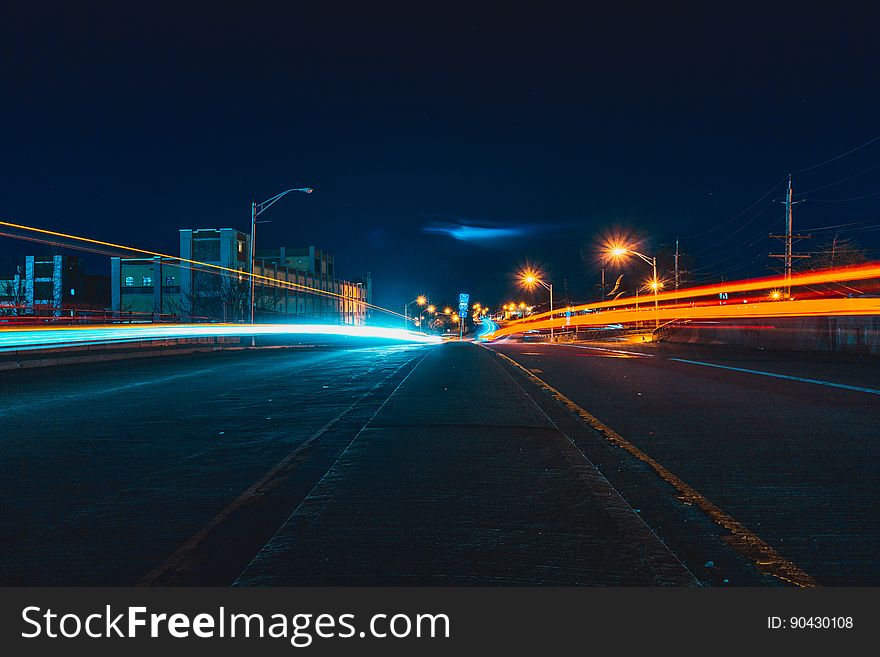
x,y
56,337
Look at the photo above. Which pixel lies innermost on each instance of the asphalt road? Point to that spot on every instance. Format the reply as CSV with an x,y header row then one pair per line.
x,y
440,465
788,444
384,465
107,469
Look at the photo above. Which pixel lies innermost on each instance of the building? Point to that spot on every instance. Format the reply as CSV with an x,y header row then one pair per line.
x,y
45,285
147,286
302,286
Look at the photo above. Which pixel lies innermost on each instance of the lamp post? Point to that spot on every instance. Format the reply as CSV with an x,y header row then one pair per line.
x,y
654,283
431,310
256,210
530,279
422,300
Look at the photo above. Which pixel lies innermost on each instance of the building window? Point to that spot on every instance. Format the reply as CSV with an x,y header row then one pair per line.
x,y
241,247
129,281
169,280
147,281
72,292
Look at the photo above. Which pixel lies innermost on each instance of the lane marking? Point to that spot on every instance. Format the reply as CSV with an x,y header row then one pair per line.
x,y
321,504
612,351
741,539
614,503
843,386
179,558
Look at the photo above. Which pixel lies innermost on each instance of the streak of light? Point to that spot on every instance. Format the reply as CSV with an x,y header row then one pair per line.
x,y
871,270
41,338
857,306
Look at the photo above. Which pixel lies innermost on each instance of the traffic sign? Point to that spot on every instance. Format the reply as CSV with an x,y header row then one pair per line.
x,y
463,299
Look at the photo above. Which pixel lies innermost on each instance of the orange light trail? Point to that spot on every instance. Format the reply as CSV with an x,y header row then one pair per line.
x,y
871,270
274,281
806,308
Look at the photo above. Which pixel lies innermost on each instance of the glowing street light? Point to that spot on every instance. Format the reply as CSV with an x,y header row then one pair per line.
x,y
420,300
529,279
619,251
447,310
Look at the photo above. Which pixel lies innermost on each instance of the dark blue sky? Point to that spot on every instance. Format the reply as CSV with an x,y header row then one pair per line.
x,y
127,122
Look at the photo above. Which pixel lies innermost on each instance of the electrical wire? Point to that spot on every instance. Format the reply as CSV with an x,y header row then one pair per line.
x,y
739,214
837,157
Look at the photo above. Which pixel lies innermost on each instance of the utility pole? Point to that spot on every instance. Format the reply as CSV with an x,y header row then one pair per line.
x,y
788,240
253,260
676,264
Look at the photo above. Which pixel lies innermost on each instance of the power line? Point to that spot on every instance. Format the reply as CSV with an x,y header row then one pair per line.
x,y
837,157
739,214
735,232
843,200
837,182
852,223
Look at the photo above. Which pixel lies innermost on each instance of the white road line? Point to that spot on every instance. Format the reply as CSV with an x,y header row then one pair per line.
x,y
872,391
612,351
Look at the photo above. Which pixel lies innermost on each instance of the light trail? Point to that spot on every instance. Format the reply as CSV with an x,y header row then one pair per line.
x,y
204,265
863,272
489,326
858,306
28,339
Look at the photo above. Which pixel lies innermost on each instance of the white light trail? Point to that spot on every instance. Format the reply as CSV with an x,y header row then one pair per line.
x,y
41,338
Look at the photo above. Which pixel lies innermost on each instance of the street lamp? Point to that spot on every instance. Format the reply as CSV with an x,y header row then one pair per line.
x,y
529,279
618,251
431,310
420,300
256,210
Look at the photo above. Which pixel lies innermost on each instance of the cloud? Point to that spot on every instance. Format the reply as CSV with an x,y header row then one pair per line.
x,y
482,232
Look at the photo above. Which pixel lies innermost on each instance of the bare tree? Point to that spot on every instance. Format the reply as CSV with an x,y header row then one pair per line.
x,y
838,252
221,297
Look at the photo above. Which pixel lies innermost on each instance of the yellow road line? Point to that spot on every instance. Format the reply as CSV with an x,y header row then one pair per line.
x,y
742,539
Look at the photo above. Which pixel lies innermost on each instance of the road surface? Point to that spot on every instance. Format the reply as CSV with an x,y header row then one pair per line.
x,y
788,444
446,464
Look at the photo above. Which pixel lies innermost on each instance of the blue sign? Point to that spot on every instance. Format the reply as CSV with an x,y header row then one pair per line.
x,y
463,299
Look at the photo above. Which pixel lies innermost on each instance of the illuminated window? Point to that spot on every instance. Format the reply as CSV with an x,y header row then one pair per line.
x,y
147,281
169,280
241,247
129,281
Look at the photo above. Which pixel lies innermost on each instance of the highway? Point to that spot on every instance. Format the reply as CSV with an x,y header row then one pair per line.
x,y
443,464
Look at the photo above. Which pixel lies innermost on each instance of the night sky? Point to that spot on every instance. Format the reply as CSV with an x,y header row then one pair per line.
x,y
447,146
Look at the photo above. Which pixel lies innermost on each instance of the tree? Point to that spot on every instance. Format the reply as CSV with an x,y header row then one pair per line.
x,y
838,252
